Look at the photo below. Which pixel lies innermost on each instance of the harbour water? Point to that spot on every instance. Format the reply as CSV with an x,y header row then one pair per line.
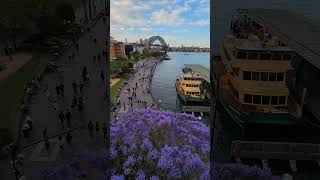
x,y
164,78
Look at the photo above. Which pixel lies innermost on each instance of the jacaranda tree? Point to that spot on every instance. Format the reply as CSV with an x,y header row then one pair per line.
x,y
150,144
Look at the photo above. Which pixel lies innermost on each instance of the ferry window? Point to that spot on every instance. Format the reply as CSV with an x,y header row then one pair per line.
x,y
282,99
242,55
252,55
276,56
272,76
256,99
248,98
264,76
246,75
287,57
274,100
279,76
265,56
256,76
265,100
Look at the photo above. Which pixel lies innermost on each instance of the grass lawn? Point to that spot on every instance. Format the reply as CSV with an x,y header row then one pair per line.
x,y
114,91
11,94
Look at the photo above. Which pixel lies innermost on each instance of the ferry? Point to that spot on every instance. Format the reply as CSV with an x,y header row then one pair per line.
x,y
250,81
188,86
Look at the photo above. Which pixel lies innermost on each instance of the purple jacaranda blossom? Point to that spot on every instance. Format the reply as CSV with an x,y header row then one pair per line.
x,y
117,177
141,175
154,178
175,145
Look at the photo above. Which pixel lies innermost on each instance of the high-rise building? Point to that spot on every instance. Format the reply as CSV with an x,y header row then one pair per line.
x,y
140,41
117,50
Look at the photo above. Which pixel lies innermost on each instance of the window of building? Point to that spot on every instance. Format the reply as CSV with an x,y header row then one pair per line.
x,y
272,76
287,57
265,100
248,98
282,99
256,76
265,56
242,55
256,99
280,77
246,75
274,100
264,76
252,55
277,56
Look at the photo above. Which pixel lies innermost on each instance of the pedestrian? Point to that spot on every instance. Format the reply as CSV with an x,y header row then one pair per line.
x,y
75,86
61,118
62,89
90,128
69,138
102,76
81,88
94,58
72,55
97,126
45,133
99,57
77,47
104,130
60,143
68,117
58,89
80,103
74,102
95,40
69,57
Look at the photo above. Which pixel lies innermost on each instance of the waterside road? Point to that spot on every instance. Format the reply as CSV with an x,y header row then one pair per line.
x,y
135,93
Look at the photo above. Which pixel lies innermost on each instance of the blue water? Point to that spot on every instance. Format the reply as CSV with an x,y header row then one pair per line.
x,y
166,73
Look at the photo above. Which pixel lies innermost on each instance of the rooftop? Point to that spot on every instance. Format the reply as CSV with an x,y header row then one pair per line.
x,y
201,70
302,35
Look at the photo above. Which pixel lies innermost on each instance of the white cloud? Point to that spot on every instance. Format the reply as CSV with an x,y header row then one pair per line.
x,y
201,22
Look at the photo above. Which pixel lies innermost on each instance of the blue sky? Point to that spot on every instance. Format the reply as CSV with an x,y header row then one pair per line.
x,y
179,22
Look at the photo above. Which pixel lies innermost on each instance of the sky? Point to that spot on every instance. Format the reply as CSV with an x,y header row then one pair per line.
x,y
179,22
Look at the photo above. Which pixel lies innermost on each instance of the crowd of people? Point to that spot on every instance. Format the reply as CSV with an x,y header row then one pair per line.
x,y
137,90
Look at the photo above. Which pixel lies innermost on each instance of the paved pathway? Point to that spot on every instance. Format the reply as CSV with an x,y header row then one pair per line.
x,y
138,84
44,115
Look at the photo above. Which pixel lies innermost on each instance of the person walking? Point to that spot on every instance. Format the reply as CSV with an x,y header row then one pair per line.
x,y
97,127
102,76
62,89
58,89
94,58
74,102
77,47
69,138
60,143
90,128
80,103
68,117
61,118
81,88
104,129
99,57
75,87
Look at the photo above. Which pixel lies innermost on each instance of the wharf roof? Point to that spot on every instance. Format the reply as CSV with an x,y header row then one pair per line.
x,y
301,34
201,70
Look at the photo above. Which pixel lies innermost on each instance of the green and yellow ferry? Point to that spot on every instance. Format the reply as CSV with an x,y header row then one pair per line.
x,y
250,80
189,85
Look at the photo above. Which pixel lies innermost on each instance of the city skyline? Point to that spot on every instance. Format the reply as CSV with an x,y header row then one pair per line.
x,y
174,20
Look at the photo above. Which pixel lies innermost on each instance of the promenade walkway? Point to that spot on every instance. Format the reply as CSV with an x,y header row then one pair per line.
x,y
137,92
44,115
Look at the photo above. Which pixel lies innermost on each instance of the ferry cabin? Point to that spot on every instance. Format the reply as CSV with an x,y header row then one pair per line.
x,y
190,84
256,71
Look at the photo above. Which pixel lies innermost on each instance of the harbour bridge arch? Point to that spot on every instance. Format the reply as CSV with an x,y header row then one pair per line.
x,y
160,39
